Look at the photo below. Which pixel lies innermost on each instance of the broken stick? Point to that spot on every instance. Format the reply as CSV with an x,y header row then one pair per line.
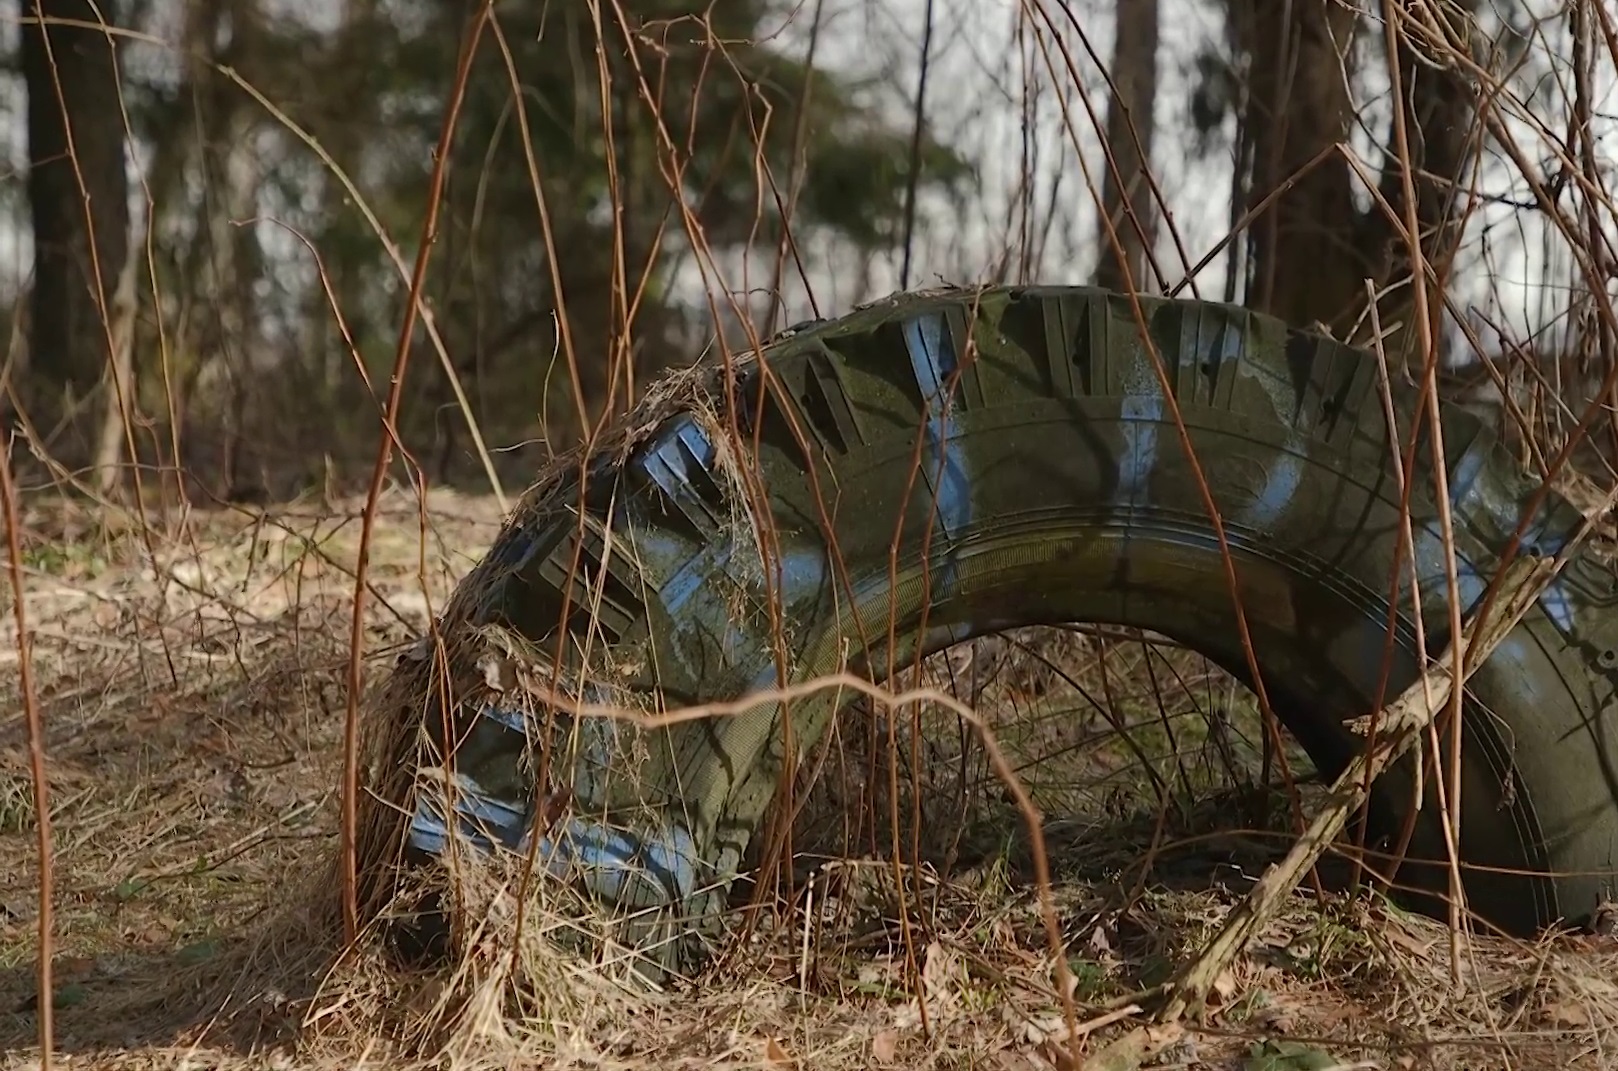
x,y
1399,727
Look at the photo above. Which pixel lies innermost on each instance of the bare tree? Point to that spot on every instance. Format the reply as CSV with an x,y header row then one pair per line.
x,y
79,196
1127,202
1313,249
1306,260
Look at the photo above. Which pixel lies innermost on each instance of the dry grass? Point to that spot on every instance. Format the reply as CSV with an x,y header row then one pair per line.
x,y
194,717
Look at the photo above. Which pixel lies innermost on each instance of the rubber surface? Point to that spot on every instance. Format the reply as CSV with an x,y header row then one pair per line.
x,y
957,462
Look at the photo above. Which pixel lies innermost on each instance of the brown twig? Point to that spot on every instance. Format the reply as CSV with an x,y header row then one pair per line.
x,y
36,753
384,454
1422,314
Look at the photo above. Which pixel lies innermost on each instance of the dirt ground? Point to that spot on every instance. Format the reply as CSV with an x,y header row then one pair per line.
x,y
192,676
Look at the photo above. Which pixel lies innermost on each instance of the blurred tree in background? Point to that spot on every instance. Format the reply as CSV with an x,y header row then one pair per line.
x,y
255,174
1313,252
78,194
324,119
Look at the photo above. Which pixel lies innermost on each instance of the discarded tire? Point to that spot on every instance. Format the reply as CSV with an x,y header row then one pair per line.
x,y
963,461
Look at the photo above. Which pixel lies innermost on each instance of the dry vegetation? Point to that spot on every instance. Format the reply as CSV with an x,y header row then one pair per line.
x,y
191,665
194,719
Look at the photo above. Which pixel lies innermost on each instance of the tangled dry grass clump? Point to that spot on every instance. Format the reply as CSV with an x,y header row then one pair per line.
x,y
194,723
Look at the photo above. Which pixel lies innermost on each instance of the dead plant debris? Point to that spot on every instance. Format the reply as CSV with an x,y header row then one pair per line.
x,y
194,708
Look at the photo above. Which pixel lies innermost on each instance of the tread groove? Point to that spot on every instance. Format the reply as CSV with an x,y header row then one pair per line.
x,y
825,403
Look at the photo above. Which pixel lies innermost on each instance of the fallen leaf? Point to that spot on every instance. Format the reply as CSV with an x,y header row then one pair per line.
x,y
884,1046
907,1016
1047,1027
498,673
941,978
1272,1015
1566,1014
152,935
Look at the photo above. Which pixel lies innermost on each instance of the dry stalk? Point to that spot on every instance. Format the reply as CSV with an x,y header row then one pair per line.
x,y
36,751
1135,1048
384,455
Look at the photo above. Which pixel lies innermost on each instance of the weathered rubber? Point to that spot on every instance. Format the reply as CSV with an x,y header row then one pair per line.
x,y
996,458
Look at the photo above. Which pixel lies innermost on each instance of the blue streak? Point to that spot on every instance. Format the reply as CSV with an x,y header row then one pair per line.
x,y
932,358
1141,414
1281,483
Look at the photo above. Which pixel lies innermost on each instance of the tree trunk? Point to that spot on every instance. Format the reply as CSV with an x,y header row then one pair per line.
x,y
1306,262
1127,201
119,403
1440,121
78,191
1312,250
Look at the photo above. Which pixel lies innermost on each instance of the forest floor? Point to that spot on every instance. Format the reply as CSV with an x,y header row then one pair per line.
x,y
193,711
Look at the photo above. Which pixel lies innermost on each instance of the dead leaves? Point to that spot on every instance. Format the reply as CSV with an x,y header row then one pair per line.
x,y
776,1058
943,980
1579,1003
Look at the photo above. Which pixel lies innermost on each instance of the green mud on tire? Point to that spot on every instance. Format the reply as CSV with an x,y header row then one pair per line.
x,y
963,461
